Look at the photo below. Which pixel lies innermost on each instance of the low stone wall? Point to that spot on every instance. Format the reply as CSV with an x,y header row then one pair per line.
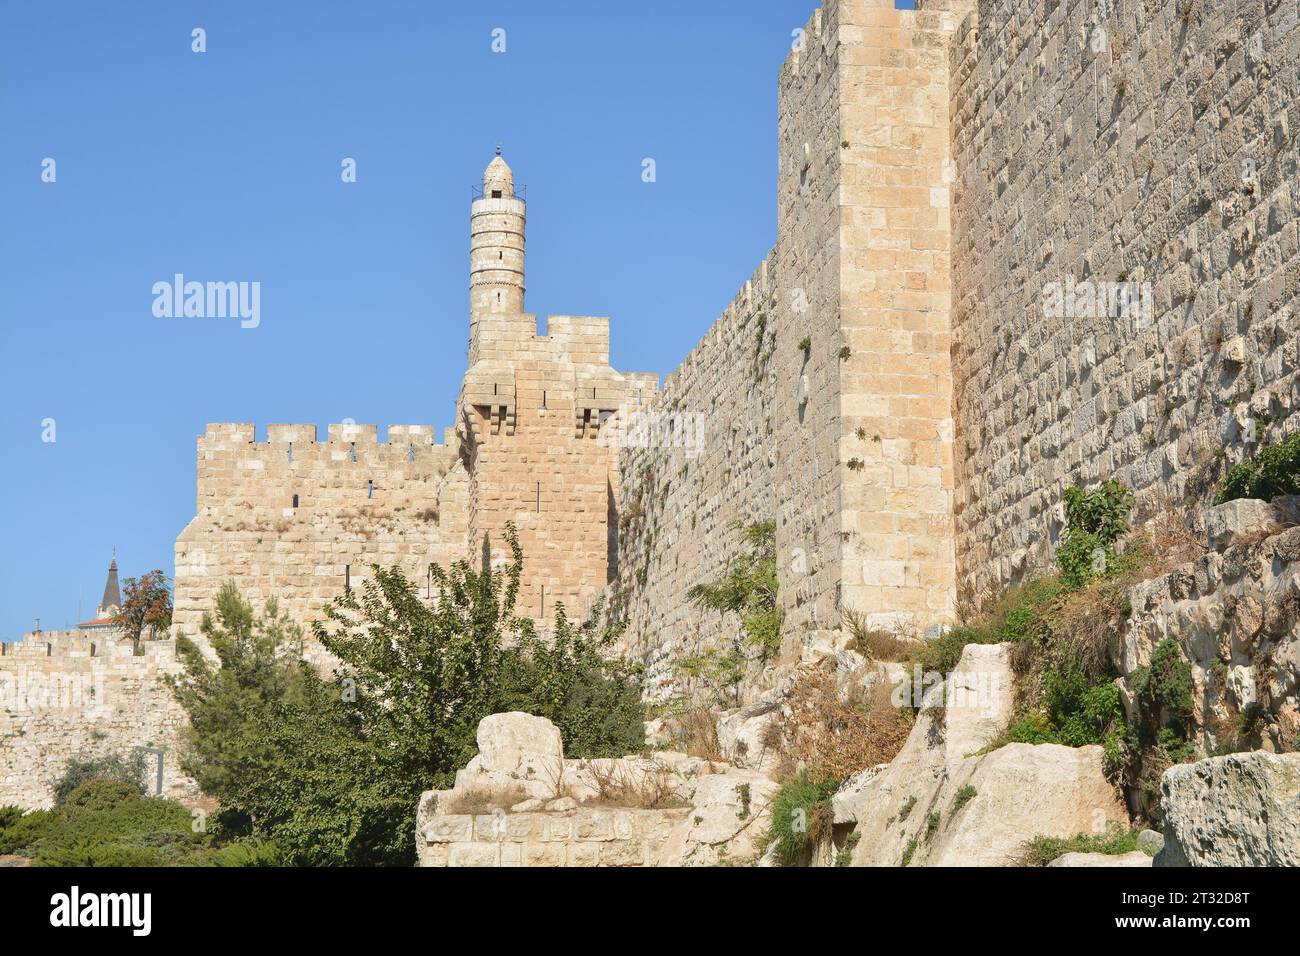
x,y
581,837
63,696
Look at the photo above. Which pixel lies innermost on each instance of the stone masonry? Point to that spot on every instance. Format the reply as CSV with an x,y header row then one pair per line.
x,y
825,388
64,694
1150,143
298,519
1020,246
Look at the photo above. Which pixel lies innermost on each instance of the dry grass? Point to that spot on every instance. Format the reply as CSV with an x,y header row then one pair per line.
x,y
695,732
478,802
875,644
654,789
833,738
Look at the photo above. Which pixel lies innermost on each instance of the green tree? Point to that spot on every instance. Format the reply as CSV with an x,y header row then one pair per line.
x,y
331,768
749,589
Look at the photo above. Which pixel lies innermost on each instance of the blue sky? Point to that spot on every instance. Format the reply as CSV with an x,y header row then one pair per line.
x,y
225,165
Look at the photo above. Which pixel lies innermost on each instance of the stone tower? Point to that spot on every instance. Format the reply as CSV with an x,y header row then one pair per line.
x,y
539,416
496,250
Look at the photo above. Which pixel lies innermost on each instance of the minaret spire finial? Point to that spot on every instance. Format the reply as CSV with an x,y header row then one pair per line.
x,y
498,149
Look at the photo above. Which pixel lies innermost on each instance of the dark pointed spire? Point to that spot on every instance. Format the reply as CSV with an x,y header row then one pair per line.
x,y
112,593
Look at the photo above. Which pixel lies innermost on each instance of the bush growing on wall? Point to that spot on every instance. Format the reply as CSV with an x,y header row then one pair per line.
x,y
1094,521
1274,471
749,590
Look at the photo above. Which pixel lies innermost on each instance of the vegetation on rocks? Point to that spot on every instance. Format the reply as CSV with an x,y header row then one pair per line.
x,y
331,768
1042,850
749,590
801,818
1274,471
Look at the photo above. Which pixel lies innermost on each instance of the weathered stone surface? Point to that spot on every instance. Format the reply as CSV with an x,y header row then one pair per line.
x,y
1134,859
665,809
1243,516
1235,617
517,754
729,812
744,735
1238,810
64,694
1020,791
1150,842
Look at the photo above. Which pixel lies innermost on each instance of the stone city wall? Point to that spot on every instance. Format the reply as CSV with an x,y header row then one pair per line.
x,y
64,695
824,390
358,502
1150,146
584,837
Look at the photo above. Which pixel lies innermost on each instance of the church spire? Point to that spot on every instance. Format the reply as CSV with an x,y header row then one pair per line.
x,y
112,593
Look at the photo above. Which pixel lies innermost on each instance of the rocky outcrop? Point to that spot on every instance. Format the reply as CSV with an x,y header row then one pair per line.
x,y
1235,615
521,802
1238,810
943,801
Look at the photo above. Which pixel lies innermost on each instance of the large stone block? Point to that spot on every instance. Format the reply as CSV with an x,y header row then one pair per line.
x,y
1238,810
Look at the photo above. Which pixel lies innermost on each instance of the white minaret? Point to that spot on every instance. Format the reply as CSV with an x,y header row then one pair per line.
x,y
496,246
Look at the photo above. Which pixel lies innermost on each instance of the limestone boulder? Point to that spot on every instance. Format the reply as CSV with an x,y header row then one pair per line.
x,y
745,736
943,801
518,754
730,812
1237,810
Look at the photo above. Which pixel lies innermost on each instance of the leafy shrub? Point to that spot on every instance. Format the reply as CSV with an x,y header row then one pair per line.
x,y
964,796
908,852
331,769
23,832
94,795
109,826
1094,521
9,815
931,826
1274,471
801,816
78,770
749,589
253,853
1166,683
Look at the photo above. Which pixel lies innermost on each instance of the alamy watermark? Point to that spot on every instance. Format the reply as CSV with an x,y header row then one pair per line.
x,y
651,428
1132,301
208,300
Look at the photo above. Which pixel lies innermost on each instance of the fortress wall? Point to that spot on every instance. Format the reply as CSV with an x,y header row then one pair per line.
x,y
694,465
62,698
895,451
1124,143
850,451
537,416
360,502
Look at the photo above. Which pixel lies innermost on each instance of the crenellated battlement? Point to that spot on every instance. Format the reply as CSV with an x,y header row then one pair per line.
x,y
222,435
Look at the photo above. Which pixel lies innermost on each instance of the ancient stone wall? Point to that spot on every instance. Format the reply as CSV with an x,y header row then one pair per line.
x,y
823,393
295,519
584,837
64,695
540,415
1150,146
